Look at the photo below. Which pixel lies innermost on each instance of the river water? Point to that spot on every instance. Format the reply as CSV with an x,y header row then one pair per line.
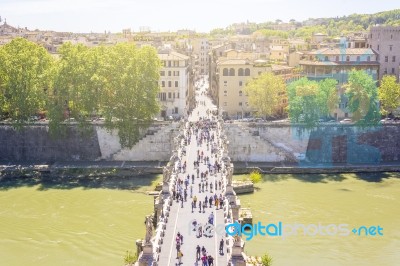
x,y
353,199
72,222
94,223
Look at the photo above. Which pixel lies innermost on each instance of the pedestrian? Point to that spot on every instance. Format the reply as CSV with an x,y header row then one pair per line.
x,y
181,239
198,252
203,250
191,191
221,247
180,255
178,248
210,260
199,188
192,206
200,206
204,260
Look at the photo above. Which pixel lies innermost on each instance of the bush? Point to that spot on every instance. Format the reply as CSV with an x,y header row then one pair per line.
x,y
129,258
266,260
255,176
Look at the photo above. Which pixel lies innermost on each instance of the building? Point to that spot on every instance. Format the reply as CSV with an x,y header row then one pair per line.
x,y
201,47
386,42
336,63
175,84
232,76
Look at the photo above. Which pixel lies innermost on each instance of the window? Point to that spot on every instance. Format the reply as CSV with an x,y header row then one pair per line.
x,y
392,70
358,58
225,104
386,58
225,72
378,47
326,58
240,83
177,96
173,95
232,72
169,84
240,93
337,58
391,36
390,47
369,58
247,72
347,58
169,63
169,73
225,93
162,83
240,103
163,96
162,73
394,58
176,84
169,95
385,72
176,110
240,72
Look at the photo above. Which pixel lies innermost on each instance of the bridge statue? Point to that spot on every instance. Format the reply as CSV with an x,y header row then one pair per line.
x,y
149,229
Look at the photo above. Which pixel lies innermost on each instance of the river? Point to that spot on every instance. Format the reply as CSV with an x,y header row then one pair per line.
x,y
60,222
72,222
353,199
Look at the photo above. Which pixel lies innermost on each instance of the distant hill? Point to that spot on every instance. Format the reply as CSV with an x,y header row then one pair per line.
x,y
334,27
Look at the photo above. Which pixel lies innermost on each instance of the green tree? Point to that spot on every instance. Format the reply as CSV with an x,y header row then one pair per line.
x,y
130,97
327,97
362,95
311,100
389,94
265,94
303,101
78,85
25,78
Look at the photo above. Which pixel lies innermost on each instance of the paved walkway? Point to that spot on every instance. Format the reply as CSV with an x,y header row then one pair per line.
x,y
180,219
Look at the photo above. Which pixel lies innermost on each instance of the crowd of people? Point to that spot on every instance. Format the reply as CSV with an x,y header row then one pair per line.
x,y
201,184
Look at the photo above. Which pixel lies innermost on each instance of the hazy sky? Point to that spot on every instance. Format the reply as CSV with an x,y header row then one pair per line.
x,y
163,15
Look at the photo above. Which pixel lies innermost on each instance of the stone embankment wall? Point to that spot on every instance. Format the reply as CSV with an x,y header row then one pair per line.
x,y
330,143
34,144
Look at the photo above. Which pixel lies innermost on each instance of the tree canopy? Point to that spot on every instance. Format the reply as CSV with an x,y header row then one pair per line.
x,y
362,95
26,73
118,82
389,94
265,94
311,100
